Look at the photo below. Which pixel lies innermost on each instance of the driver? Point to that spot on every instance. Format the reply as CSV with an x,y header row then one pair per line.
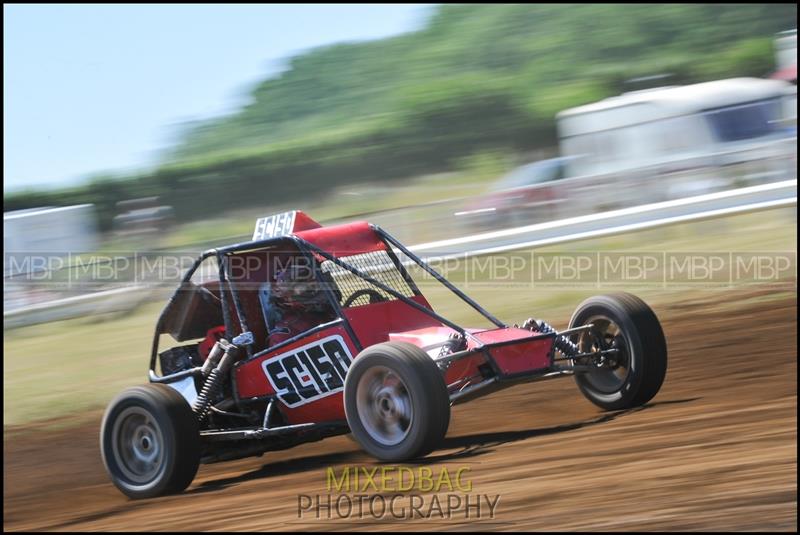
x,y
297,302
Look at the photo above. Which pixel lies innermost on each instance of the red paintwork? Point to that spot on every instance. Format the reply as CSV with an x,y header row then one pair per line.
x,y
251,381
423,337
212,337
303,222
327,409
373,323
501,335
522,356
527,355
344,240
392,320
458,371
250,378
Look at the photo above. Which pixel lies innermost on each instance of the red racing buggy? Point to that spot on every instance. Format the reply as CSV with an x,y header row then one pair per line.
x,y
306,332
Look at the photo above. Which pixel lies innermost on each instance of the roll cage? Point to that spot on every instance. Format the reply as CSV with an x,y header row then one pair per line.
x,y
305,245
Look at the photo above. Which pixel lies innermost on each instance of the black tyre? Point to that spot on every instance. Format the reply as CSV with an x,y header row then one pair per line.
x,y
396,401
150,441
635,374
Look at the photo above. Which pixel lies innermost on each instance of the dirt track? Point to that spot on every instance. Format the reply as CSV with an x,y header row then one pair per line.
x,y
715,450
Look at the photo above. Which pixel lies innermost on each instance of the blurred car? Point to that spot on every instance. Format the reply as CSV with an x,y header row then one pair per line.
x,y
520,197
143,218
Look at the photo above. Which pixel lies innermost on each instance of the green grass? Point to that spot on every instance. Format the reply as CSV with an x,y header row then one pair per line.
x,y
69,369
75,365
514,297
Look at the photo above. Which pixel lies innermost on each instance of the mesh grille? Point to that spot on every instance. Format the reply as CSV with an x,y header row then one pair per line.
x,y
377,265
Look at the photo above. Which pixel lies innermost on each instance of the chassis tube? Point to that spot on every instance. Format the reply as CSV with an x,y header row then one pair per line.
x,y
387,289
160,322
388,237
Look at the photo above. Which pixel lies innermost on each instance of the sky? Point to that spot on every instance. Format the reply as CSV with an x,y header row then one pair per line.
x,y
89,89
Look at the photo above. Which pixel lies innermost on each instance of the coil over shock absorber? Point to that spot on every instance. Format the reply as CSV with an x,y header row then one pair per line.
x,y
203,402
455,342
562,343
215,368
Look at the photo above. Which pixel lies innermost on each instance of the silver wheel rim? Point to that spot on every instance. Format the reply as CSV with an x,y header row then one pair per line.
x,y
384,405
138,445
609,374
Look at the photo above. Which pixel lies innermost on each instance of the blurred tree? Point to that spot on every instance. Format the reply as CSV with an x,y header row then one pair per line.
x,y
475,78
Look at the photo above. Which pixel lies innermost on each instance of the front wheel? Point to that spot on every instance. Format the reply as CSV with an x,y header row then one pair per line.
x,y
150,441
632,375
396,402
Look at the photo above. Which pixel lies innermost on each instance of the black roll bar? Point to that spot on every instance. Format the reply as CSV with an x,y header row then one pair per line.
x,y
464,297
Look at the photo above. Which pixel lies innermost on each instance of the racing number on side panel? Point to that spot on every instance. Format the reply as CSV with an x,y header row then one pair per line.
x,y
310,372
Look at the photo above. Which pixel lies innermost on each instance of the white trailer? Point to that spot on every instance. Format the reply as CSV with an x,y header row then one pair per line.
x,y
59,231
39,240
708,124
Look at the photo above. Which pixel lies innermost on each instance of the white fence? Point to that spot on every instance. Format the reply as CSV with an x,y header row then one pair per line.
x,y
749,199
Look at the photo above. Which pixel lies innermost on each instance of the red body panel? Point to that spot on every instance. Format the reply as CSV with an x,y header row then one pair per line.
x,y
465,371
432,338
344,240
523,356
513,350
373,323
517,350
325,404
424,337
494,336
303,222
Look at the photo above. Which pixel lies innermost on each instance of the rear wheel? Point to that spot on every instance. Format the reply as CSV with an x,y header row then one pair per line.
x,y
396,401
632,375
150,441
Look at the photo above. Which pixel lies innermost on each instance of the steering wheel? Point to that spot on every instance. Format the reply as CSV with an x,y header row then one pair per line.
x,y
374,297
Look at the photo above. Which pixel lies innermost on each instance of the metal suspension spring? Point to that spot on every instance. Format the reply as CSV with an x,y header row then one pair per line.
x,y
202,405
455,342
203,402
562,343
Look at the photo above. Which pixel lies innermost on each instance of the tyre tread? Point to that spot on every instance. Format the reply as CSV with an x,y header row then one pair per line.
x,y
651,339
429,375
185,433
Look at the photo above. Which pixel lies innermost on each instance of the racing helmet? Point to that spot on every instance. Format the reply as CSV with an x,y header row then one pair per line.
x,y
297,287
